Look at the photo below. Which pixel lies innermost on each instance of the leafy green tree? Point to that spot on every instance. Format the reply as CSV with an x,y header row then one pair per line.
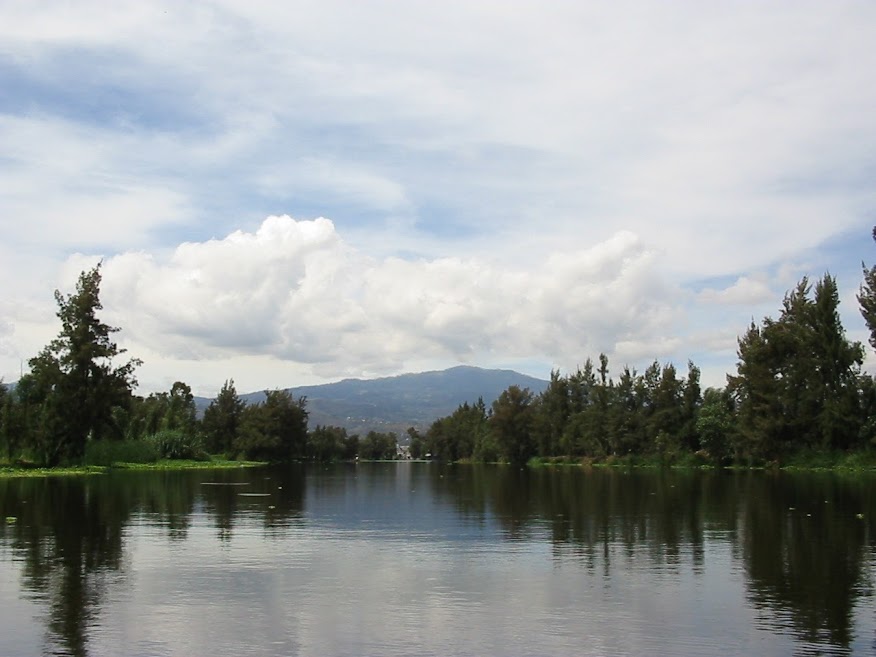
x,y
486,448
417,443
797,378
351,447
275,429
326,444
379,446
755,388
161,411
625,418
691,399
581,385
666,417
867,411
838,363
221,422
181,413
456,436
715,424
512,425
437,445
145,415
75,377
578,432
552,413
867,298
6,421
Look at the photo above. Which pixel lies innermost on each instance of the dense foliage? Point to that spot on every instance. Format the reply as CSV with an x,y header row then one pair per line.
x,y
77,405
798,389
71,393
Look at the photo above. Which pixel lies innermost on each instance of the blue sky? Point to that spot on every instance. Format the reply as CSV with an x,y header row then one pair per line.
x,y
294,194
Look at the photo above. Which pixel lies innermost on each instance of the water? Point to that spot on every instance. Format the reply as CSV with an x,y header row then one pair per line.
x,y
422,559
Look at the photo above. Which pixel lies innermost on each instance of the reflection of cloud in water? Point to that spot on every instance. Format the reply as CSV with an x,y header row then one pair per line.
x,y
397,559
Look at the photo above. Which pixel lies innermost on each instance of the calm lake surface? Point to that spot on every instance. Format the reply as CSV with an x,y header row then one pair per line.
x,y
424,559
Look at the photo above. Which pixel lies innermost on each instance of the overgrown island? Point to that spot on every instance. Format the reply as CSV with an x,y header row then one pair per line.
x,y
798,399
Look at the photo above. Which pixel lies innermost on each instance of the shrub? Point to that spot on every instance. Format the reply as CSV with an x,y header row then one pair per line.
x,y
176,444
107,452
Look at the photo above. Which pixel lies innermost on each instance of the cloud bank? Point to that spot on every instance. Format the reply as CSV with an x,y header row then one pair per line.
x,y
294,290
529,184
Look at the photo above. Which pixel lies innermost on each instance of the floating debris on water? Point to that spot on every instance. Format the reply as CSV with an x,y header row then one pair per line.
x,y
254,494
11,519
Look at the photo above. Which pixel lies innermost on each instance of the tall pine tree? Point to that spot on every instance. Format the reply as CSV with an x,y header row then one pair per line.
x,y
76,379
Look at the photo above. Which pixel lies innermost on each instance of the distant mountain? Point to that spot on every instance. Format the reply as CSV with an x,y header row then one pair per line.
x,y
397,402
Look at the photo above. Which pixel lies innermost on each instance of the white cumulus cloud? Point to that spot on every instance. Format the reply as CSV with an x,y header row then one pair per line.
x,y
295,291
744,291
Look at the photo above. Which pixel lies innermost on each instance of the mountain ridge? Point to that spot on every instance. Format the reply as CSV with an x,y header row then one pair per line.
x,y
394,403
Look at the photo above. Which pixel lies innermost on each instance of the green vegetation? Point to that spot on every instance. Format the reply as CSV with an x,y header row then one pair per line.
x,y
31,471
187,464
798,399
75,412
108,452
161,464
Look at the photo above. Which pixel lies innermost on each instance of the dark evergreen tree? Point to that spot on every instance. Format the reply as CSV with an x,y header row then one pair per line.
x,y
755,390
552,413
836,373
797,377
6,414
691,399
512,425
221,422
458,435
76,381
416,443
275,429
180,414
378,446
326,444
715,425
666,417
625,426
578,433
867,298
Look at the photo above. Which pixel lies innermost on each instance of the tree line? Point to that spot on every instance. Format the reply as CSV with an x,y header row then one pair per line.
x,y
77,405
798,390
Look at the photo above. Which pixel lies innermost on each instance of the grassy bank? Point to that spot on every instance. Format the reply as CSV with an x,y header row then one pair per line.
x,y
28,471
188,464
84,470
805,461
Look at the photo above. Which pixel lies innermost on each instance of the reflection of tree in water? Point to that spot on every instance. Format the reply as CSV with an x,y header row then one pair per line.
x,y
585,513
70,533
810,568
278,501
165,495
805,552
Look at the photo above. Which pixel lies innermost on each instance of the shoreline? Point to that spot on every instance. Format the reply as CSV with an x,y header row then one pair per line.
x,y
10,471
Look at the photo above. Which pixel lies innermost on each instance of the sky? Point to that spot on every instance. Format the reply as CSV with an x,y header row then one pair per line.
x,y
294,193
